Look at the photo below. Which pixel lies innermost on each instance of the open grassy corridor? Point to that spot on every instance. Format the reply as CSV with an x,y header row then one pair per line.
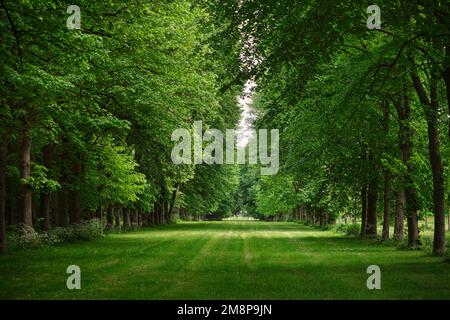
x,y
224,260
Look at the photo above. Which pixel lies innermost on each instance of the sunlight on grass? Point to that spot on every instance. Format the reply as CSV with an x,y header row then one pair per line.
x,y
224,260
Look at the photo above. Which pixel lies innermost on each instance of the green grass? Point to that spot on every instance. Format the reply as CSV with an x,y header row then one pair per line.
x,y
224,260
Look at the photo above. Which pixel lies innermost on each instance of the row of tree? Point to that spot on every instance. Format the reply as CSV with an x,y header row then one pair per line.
x,y
86,115
364,114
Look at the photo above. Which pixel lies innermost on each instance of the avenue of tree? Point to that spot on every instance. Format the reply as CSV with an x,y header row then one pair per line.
x,y
364,113
86,115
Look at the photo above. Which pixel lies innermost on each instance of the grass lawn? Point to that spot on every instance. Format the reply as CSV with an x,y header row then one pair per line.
x,y
224,260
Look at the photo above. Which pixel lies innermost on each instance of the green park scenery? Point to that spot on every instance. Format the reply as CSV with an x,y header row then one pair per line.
x,y
346,102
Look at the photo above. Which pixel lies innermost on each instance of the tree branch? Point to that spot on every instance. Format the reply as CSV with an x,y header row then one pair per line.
x,y
15,32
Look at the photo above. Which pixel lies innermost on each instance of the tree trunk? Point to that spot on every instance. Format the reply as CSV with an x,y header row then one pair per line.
x,y
166,214
405,135
110,217
321,220
161,212
139,218
387,205
399,214
126,218
387,182
55,211
117,222
363,211
158,216
446,77
150,219
439,247
25,173
372,197
63,204
75,207
45,195
156,213
3,163
133,218
75,199
172,203
431,109
164,209
45,211
63,208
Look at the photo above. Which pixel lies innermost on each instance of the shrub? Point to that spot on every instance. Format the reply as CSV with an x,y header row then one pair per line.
x,y
83,231
348,229
61,235
24,236
89,230
51,238
353,230
447,253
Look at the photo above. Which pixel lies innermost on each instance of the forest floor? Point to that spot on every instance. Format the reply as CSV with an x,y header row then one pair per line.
x,y
224,260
